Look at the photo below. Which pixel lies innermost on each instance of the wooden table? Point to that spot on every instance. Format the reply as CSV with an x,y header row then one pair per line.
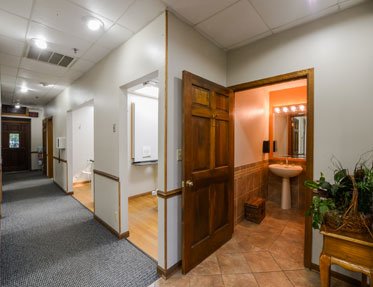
x,y
351,251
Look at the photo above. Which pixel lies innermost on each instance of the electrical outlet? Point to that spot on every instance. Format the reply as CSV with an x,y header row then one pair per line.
x,y
179,154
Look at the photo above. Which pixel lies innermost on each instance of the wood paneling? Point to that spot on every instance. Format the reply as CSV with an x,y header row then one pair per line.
x,y
48,147
208,168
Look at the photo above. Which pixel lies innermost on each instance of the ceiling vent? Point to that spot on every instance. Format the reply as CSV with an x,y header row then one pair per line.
x,y
47,56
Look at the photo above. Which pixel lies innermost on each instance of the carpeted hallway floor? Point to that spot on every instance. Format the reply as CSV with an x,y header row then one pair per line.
x,y
49,239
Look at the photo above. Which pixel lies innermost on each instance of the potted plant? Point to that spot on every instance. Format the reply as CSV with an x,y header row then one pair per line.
x,y
346,204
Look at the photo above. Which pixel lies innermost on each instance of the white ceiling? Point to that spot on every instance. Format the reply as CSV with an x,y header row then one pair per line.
x,y
228,23
61,23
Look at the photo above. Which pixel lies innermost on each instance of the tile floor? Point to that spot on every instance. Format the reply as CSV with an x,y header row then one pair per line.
x,y
265,255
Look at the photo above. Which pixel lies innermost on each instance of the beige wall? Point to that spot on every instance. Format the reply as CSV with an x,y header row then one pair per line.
x,y
190,51
339,47
251,125
143,54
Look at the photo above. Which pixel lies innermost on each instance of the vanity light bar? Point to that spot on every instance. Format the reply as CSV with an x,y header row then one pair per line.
x,y
290,109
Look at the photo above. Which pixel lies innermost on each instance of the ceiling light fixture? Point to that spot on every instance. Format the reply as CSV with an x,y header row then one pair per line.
x,y
46,85
40,43
24,89
93,24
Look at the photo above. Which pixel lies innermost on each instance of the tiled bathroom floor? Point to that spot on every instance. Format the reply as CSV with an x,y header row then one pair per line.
x,y
265,255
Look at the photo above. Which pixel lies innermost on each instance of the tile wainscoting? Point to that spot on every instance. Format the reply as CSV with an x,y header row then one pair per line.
x,y
249,181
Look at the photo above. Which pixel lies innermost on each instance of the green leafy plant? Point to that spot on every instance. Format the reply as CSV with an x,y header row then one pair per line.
x,y
336,197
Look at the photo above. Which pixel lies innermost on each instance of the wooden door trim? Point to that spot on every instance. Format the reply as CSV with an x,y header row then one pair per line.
x,y
309,75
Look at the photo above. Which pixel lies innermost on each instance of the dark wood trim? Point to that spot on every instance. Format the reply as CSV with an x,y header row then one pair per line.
x,y
140,194
338,275
272,80
169,194
124,235
34,151
60,159
309,75
111,229
70,193
107,175
165,135
166,273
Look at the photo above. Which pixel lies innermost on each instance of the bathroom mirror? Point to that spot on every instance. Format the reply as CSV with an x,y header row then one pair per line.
x,y
289,134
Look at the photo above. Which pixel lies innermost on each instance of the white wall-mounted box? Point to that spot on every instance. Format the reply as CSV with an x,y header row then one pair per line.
x,y
61,142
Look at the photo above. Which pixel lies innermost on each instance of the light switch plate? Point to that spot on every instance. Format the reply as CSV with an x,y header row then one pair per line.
x,y
179,154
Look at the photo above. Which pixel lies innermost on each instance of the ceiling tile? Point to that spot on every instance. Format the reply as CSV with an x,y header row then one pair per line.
x,y
206,8
19,7
9,60
37,76
11,46
67,17
276,13
234,24
8,80
95,53
71,76
140,13
82,65
116,36
13,26
110,9
328,11
5,70
251,40
58,41
343,4
41,67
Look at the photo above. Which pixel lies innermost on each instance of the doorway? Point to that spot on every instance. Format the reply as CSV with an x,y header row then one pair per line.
x,y
141,159
81,153
204,100
16,144
48,147
283,108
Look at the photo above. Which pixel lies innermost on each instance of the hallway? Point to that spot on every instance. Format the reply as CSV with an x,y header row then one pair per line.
x,y
49,239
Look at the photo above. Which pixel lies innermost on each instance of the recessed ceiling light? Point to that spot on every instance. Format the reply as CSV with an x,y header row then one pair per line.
x,y
24,89
40,43
93,23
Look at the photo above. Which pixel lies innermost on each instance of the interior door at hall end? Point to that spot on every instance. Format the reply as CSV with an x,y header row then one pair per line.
x,y
208,155
16,144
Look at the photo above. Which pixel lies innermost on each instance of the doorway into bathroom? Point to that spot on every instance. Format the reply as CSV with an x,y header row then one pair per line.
x,y
142,164
273,132
81,133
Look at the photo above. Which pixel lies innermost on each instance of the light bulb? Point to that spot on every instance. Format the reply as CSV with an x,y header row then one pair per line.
x,y
24,89
285,109
302,107
293,108
40,43
94,24
277,110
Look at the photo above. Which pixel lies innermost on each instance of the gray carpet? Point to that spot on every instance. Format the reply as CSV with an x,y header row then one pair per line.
x,y
49,239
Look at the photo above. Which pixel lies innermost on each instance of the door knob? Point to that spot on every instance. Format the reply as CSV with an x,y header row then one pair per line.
x,y
189,183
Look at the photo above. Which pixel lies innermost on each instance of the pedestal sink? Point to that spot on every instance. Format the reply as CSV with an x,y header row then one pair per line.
x,y
285,171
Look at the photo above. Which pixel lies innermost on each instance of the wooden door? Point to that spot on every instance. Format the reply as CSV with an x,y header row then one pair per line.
x,y
208,155
16,140
45,147
50,147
